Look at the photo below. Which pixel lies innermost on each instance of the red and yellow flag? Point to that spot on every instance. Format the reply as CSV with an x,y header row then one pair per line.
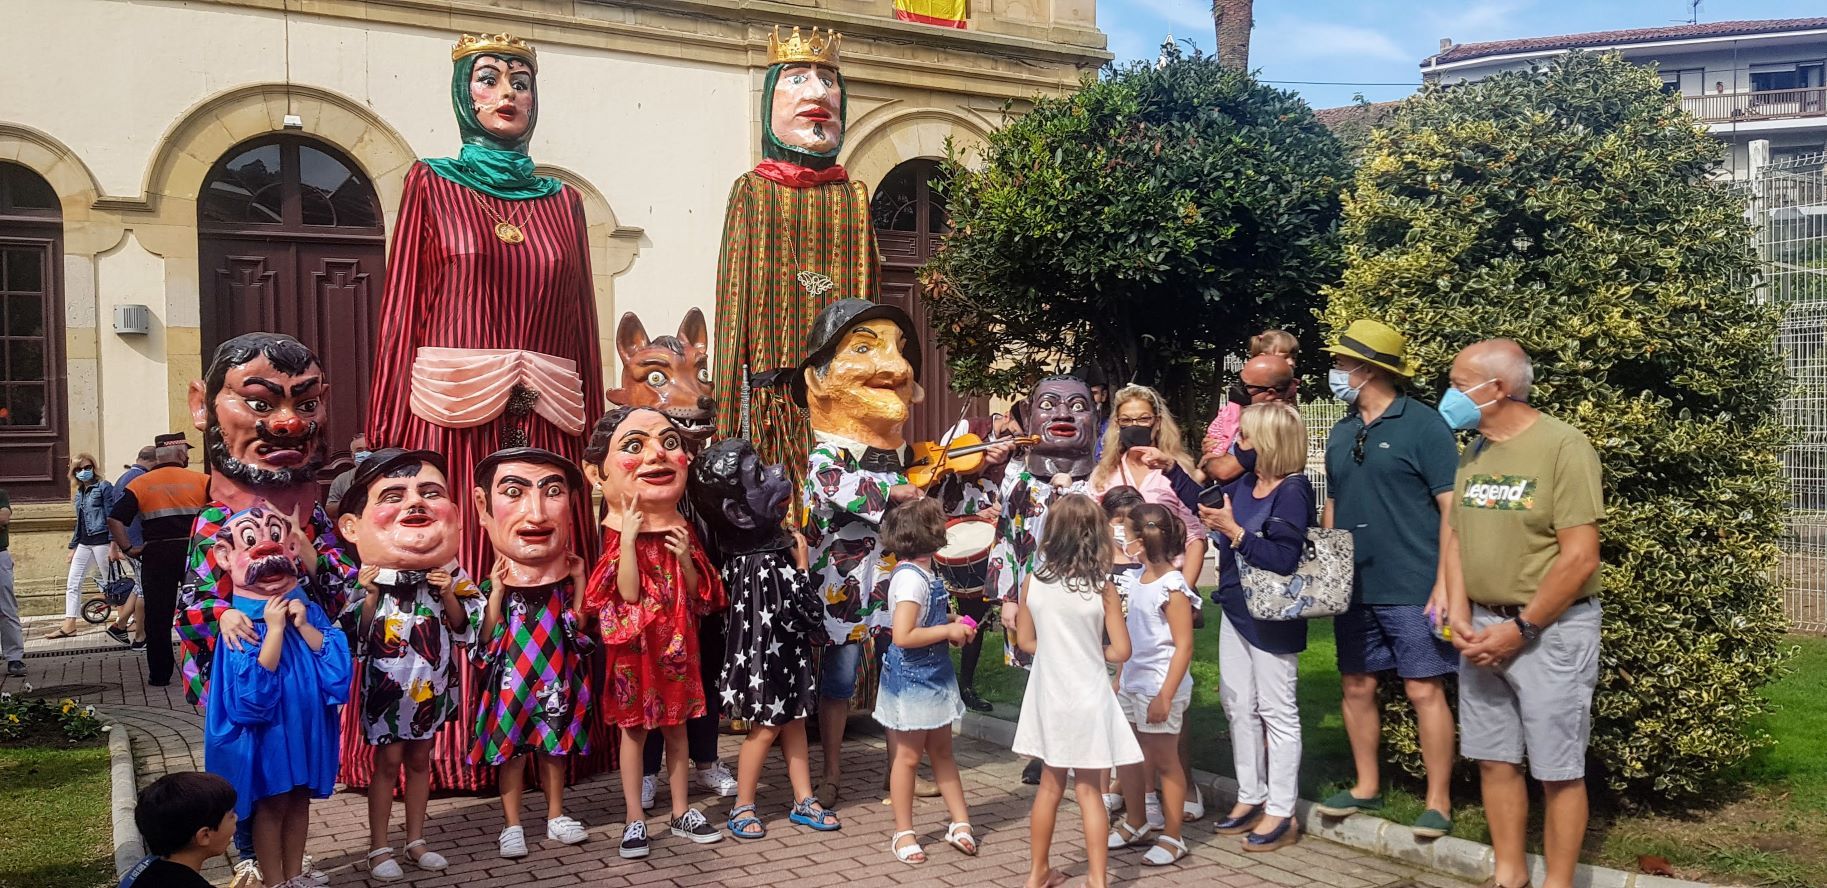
x,y
940,13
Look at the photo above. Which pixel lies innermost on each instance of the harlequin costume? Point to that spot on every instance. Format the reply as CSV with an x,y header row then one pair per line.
x,y
535,690
488,332
651,656
269,731
797,236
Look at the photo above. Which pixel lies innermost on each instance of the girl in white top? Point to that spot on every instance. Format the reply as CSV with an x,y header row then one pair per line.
x,y
1069,715
1154,688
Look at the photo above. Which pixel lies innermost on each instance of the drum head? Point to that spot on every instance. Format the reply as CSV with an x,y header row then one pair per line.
x,y
967,541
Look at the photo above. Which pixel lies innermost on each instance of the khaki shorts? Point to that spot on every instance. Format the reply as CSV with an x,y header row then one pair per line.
x,y
1135,708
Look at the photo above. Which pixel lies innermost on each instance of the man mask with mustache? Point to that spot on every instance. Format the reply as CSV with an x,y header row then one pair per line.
x,y
264,551
261,410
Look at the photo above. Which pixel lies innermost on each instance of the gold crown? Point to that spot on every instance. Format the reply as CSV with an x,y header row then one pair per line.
x,y
494,44
821,49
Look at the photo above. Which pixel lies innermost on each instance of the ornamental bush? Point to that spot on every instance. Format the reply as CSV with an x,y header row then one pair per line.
x,y
1151,221
1574,209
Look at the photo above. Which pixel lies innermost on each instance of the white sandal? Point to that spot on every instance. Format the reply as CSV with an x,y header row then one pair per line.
x,y
907,853
959,836
428,859
1166,852
387,870
1122,835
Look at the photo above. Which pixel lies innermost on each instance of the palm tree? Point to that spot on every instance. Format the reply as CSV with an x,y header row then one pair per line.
x,y
1233,19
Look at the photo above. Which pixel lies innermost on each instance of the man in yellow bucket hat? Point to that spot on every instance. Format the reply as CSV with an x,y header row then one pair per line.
x,y
1389,479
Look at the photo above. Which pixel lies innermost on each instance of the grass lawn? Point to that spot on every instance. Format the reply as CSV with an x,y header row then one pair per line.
x,y
1773,831
56,832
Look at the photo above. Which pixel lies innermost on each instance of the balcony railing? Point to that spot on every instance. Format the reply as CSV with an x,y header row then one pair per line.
x,y
1769,105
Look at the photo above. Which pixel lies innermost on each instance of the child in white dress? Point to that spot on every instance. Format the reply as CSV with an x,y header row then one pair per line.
x,y
1069,716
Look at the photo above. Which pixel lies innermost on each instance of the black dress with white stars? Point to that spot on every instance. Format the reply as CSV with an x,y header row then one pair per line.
x,y
770,670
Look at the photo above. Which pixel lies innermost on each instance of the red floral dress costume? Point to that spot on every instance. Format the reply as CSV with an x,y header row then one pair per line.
x,y
651,646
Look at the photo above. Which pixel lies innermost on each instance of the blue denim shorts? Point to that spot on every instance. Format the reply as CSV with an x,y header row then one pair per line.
x,y
837,671
1379,638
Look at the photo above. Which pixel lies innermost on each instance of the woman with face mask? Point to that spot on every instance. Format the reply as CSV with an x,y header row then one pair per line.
x,y
89,543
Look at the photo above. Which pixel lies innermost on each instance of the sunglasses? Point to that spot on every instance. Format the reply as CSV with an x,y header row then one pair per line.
x,y
1357,448
1131,421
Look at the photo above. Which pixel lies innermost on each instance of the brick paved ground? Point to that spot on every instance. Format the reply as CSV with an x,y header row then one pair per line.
x,y
166,736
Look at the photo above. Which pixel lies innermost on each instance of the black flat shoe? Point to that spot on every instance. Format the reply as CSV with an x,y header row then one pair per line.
x,y
973,702
1031,774
1231,826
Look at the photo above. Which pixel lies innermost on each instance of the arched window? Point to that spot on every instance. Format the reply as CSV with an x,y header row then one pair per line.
x,y
291,241
33,447
910,221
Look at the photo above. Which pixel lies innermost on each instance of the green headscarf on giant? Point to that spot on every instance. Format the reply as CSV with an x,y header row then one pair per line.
x,y
773,148
487,163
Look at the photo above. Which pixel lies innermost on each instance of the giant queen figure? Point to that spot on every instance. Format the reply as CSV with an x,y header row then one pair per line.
x,y
488,324
796,238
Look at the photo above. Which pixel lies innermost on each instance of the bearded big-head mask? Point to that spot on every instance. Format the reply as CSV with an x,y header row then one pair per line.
x,y
261,409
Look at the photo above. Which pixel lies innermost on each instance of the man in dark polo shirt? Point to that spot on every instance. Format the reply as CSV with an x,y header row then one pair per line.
x,y
1389,478
166,500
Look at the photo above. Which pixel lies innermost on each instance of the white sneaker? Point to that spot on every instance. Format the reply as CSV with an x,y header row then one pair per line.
x,y
565,830
649,785
1113,802
312,874
1156,820
513,842
718,779
247,874
1195,805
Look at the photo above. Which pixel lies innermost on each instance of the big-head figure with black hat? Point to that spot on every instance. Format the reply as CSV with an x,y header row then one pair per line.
x,y
859,378
797,236
417,604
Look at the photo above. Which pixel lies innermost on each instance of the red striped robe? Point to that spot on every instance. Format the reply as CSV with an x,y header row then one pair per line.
x,y
452,283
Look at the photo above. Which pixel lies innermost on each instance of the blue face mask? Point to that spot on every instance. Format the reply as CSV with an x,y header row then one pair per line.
x,y
1246,459
363,454
85,475
1340,383
1460,411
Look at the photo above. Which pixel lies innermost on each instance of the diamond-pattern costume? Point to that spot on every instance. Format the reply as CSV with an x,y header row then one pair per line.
x,y
652,661
535,693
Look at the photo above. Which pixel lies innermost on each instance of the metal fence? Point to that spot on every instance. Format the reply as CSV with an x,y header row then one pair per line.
x,y
1789,209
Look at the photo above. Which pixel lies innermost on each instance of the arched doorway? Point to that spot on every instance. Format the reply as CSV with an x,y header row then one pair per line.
x,y
291,240
910,221
34,448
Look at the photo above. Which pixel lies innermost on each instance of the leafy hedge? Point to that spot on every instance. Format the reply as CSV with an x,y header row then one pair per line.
x,y
1573,208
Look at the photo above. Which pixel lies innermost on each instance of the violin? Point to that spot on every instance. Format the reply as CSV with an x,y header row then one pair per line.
x,y
962,455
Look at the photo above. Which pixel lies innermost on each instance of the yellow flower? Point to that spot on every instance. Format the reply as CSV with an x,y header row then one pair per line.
x,y
68,706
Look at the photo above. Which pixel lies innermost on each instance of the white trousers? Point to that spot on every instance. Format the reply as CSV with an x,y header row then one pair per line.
x,y
1257,689
83,558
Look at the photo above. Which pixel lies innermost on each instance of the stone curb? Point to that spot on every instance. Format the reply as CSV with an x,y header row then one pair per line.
x,y
1450,856
129,849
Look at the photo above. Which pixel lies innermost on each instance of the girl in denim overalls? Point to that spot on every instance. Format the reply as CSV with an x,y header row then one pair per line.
x,y
918,699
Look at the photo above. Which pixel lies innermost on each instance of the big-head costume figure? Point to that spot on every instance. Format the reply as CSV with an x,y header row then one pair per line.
x,y
796,237
260,406
414,607
669,373
488,333
1064,416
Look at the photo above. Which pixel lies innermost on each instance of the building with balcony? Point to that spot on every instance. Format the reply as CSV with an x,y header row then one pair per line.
x,y
1746,80
232,165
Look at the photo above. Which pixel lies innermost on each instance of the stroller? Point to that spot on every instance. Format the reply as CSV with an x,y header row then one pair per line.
x,y
116,585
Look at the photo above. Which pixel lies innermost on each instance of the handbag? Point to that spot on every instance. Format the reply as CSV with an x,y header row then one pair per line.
x,y
117,586
1320,585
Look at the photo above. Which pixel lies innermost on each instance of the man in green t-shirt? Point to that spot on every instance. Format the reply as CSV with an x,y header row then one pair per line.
x,y
1521,560
12,632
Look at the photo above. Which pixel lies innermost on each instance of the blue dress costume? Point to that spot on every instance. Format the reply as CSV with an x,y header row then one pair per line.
x,y
919,691
268,732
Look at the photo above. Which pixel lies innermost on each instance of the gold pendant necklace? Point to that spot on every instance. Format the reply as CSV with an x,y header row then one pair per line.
x,y
508,232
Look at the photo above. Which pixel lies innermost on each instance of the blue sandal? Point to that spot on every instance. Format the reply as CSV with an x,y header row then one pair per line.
x,y
807,812
746,827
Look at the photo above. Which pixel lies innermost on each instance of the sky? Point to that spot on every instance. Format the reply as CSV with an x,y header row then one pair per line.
x,y
1376,46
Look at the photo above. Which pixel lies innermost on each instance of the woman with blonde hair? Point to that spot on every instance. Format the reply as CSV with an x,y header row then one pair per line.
x,y
89,545
1144,449
1263,523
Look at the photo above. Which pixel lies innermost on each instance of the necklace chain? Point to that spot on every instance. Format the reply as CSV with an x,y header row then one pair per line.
x,y
509,231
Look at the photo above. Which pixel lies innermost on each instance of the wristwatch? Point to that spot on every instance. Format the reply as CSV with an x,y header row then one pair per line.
x,y
1530,631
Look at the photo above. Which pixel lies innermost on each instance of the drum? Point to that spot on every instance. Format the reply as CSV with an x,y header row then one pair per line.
x,y
964,563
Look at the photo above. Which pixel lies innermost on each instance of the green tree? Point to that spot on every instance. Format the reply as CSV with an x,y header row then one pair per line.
x,y
1573,209
1149,222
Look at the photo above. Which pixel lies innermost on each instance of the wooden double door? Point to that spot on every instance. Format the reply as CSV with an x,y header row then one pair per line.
x,y
910,221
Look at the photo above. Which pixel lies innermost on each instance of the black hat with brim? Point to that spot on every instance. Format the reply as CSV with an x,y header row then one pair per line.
x,y
537,456
377,466
828,330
